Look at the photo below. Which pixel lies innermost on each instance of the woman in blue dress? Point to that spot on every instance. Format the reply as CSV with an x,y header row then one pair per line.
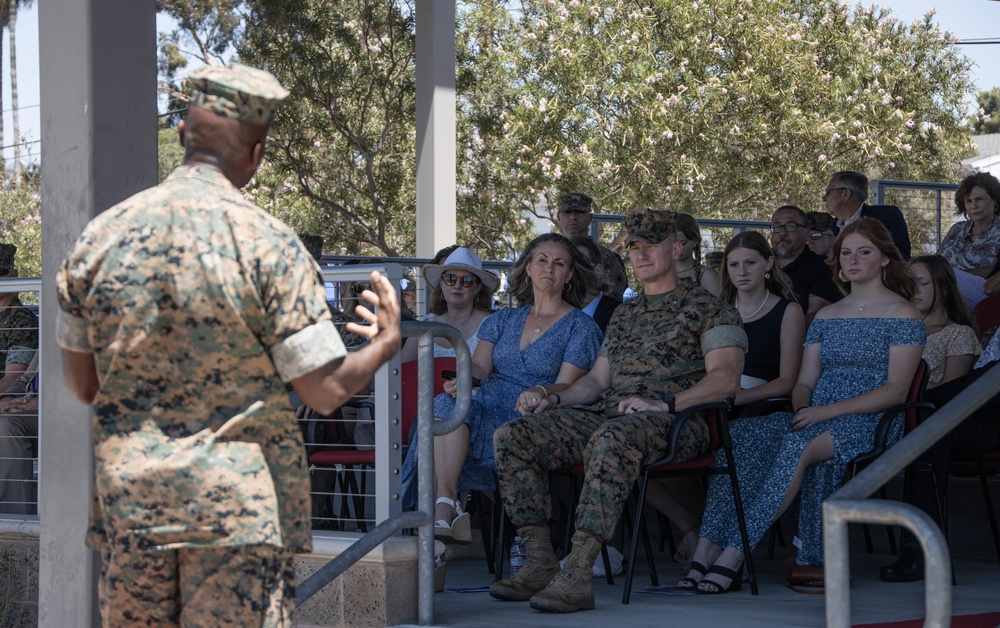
x,y
524,354
860,357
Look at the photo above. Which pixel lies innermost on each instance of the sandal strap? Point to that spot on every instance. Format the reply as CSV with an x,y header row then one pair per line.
x,y
725,572
451,502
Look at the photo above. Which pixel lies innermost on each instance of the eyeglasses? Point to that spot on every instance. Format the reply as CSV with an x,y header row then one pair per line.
x,y
451,279
828,190
789,226
358,288
816,235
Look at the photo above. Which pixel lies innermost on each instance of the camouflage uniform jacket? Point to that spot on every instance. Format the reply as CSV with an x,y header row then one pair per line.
x,y
196,304
658,345
18,334
614,272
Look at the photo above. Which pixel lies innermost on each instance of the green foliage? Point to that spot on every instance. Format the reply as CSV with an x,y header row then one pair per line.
x,y
345,136
727,108
207,31
169,152
21,220
988,120
722,109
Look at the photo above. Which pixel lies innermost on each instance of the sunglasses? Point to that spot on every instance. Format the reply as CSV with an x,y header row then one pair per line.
x,y
358,288
816,235
451,279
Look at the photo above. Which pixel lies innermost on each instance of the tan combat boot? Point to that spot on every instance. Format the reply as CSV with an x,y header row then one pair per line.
x,y
540,567
572,590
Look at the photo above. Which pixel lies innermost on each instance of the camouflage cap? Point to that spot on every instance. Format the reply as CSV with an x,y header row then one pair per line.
x,y
821,221
7,253
650,225
575,202
314,244
238,92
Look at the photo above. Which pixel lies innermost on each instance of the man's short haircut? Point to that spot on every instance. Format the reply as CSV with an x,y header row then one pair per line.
x,y
856,182
798,210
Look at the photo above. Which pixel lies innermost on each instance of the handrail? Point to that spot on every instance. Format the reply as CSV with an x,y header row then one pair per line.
x,y
427,428
850,504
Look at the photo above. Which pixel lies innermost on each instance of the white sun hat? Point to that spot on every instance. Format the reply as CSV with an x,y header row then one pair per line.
x,y
461,259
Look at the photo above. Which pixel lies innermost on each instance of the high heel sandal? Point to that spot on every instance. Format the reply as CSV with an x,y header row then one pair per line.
x,y
459,529
736,578
691,583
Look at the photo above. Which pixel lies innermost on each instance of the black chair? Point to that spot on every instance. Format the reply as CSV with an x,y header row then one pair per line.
x,y
718,430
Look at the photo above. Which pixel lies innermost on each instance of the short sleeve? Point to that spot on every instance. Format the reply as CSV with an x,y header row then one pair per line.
x,y
907,332
584,342
721,327
493,325
963,342
814,335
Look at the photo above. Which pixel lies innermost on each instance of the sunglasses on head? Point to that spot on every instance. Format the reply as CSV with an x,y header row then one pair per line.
x,y
451,279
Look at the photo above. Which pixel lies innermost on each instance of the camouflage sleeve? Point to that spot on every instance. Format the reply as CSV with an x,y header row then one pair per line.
x,y
20,335
71,333
307,350
19,354
297,328
722,327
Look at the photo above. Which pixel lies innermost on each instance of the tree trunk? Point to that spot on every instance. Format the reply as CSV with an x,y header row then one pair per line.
x,y
11,23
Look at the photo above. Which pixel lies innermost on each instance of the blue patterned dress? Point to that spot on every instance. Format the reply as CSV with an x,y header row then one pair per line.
x,y
575,338
855,361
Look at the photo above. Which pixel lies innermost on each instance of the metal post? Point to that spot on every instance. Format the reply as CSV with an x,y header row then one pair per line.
x,y
435,74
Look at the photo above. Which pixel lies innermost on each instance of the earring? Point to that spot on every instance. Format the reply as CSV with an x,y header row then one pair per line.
x,y
528,280
567,286
767,276
842,276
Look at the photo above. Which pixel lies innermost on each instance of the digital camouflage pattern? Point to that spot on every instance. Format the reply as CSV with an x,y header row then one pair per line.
x,y
614,272
649,225
7,253
238,92
658,345
575,202
654,346
18,334
196,304
221,586
231,475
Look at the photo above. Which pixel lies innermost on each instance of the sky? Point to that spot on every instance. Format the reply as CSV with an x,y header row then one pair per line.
x,y
967,19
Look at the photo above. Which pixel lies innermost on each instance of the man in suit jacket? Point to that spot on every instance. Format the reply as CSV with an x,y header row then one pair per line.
x,y
845,198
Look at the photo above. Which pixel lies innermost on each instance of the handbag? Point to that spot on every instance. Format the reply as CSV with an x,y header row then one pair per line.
x,y
804,578
158,492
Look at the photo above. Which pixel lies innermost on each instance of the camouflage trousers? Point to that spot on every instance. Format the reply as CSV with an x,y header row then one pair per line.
x,y
251,585
611,451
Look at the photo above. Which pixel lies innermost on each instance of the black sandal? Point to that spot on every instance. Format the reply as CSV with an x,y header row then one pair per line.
x,y
715,588
689,582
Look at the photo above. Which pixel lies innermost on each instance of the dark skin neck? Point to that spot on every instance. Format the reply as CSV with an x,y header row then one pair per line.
x,y
233,148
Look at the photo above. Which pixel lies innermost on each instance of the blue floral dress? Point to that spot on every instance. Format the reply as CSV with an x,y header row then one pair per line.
x,y
855,360
575,338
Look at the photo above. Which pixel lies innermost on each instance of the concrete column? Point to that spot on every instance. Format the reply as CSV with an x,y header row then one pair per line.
x,y
98,96
435,125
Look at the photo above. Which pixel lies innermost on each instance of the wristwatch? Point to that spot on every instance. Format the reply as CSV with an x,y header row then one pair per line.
x,y
670,401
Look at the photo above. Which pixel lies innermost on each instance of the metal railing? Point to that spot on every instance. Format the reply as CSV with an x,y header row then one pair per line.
x,y
427,428
850,504
19,443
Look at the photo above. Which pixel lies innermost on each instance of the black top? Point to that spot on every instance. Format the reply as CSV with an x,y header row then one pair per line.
x,y
810,275
892,218
763,358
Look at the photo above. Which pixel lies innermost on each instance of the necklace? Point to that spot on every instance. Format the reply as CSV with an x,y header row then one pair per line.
x,y
757,311
538,319
861,308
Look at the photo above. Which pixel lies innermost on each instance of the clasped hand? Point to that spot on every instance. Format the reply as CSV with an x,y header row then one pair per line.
x,y
638,404
531,401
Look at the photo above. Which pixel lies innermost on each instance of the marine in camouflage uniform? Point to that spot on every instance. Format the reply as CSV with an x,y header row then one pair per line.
x,y
652,362
18,430
182,307
574,219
